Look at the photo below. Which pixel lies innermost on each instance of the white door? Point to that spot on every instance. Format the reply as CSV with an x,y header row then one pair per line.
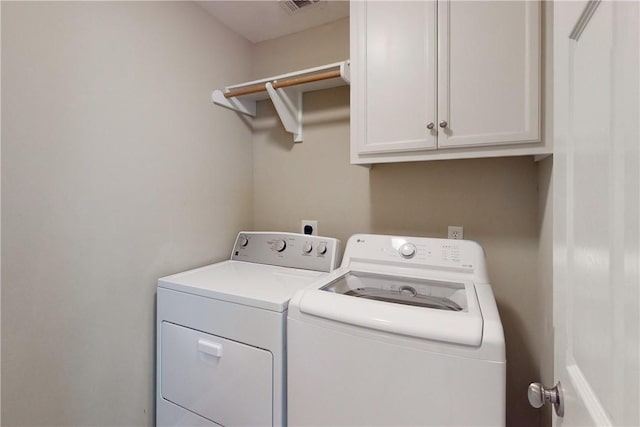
x,y
393,66
488,72
224,381
596,212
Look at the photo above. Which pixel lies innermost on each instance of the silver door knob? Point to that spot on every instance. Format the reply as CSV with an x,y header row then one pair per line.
x,y
538,396
443,124
430,125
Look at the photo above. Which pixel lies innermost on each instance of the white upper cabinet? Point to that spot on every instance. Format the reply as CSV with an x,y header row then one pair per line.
x,y
445,79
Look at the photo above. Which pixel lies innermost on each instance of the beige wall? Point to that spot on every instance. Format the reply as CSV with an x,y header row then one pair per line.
x,y
313,179
496,200
116,170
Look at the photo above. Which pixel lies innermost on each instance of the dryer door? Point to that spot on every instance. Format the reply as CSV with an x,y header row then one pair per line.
x,y
224,381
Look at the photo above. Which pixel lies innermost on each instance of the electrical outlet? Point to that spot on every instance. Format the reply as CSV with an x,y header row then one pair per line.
x,y
310,226
455,232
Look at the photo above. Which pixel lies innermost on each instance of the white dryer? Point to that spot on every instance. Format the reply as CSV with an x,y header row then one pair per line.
x,y
405,332
221,331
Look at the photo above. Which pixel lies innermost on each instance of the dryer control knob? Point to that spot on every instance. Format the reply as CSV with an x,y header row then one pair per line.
x,y
322,248
243,241
408,250
307,248
280,245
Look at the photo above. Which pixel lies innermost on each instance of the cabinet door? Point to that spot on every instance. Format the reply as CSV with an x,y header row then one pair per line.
x,y
488,72
393,65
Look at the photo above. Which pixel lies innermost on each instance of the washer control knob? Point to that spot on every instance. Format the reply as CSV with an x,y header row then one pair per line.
x,y
322,248
280,245
243,241
307,248
408,250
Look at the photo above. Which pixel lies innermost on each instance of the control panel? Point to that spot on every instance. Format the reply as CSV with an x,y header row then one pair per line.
x,y
450,254
291,250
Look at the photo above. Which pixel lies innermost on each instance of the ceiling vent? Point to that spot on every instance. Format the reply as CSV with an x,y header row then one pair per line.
x,y
293,6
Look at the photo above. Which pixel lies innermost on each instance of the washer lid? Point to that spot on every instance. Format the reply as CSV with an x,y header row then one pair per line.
x,y
418,307
401,290
256,285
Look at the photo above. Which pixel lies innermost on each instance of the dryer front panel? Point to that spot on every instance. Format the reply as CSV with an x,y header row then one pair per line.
x,y
224,381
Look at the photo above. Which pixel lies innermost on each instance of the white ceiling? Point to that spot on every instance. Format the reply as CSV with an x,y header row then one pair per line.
x,y
267,19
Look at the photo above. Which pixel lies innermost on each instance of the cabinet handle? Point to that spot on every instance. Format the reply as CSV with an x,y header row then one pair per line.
x,y
443,124
430,125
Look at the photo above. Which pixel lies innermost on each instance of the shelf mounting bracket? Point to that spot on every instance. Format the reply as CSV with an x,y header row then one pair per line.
x,y
243,106
288,104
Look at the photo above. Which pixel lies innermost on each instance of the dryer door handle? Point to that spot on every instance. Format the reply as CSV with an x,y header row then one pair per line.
x,y
209,347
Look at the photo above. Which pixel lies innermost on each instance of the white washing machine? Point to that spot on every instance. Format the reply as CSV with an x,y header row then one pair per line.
x,y
405,332
221,331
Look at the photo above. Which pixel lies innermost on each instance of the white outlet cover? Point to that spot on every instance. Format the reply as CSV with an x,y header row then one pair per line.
x,y
455,232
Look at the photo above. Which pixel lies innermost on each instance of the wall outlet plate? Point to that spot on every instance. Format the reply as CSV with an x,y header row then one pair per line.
x,y
309,226
455,232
